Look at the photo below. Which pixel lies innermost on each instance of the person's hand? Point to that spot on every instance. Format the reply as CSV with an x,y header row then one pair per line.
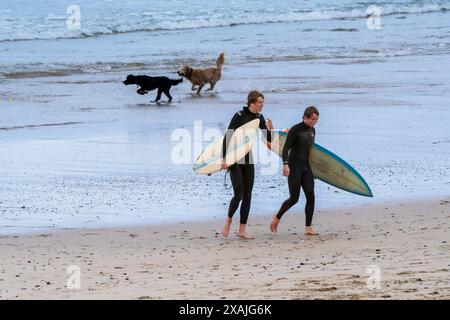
x,y
224,165
269,124
269,145
286,170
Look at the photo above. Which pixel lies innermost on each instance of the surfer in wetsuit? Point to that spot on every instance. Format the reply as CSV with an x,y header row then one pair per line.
x,y
242,174
296,167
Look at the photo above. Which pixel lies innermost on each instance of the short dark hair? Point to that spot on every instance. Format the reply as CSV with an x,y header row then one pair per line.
x,y
253,97
309,111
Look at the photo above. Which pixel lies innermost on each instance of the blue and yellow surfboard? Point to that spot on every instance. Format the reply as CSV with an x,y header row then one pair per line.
x,y
328,167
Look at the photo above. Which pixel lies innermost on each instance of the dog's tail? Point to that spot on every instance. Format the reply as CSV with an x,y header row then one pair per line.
x,y
220,60
175,82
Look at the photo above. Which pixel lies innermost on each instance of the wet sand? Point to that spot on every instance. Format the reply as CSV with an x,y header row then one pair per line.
x,y
408,242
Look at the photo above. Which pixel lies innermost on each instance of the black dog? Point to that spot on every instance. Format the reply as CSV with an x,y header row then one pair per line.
x,y
147,84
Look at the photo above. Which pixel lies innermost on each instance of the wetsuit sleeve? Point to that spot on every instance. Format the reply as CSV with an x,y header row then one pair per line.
x,y
234,124
292,135
266,132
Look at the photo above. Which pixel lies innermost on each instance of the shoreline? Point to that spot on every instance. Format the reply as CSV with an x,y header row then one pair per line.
x,y
217,216
408,241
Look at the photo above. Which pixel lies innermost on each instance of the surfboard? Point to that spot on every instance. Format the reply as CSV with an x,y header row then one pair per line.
x,y
328,167
241,142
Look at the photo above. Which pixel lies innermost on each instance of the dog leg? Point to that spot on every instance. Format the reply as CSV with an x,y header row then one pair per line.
x,y
199,88
193,88
166,92
158,96
212,84
141,91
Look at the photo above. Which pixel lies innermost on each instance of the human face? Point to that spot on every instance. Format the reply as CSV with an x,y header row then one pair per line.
x,y
257,106
311,122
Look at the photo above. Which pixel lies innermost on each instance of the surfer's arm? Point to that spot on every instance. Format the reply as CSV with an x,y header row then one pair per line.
x,y
234,124
292,134
265,130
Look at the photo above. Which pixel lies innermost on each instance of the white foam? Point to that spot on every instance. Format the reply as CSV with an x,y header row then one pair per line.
x,y
28,28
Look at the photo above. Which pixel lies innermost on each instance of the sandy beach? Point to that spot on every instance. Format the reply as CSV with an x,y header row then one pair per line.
x,y
408,242
90,181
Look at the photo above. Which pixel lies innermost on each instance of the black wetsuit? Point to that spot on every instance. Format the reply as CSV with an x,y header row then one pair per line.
x,y
296,152
242,174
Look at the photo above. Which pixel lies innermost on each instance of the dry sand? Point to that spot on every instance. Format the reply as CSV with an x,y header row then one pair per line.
x,y
409,242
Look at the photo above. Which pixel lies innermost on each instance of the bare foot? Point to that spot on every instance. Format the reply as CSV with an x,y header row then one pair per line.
x,y
244,235
274,224
243,232
310,232
226,228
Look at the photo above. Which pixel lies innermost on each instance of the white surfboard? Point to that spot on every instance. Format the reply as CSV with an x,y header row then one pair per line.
x,y
241,142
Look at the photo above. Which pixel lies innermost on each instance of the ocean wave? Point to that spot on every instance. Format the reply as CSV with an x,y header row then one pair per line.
x,y
39,125
283,58
169,66
60,70
41,73
344,30
147,22
41,70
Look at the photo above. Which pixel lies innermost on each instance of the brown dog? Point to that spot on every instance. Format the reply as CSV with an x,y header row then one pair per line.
x,y
200,77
